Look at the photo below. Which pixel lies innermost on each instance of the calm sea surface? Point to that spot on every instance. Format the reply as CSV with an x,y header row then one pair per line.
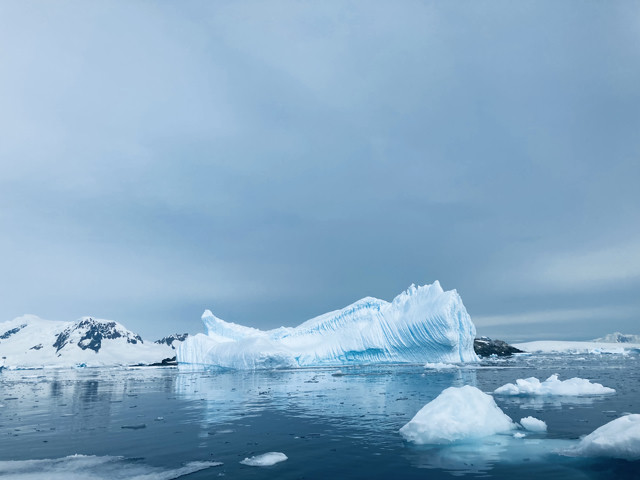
x,y
161,423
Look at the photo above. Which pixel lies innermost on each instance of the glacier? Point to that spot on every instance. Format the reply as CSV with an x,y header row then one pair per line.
x,y
422,324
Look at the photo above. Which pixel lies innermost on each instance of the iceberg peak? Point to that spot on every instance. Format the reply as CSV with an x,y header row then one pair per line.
x,y
422,324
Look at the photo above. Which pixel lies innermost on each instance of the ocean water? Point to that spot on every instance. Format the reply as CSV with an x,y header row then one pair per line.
x,y
163,423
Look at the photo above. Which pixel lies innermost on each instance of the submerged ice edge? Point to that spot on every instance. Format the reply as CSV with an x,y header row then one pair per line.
x,y
78,467
423,324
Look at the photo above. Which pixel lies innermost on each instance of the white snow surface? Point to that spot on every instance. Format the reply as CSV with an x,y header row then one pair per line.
x,y
619,438
91,467
32,342
533,424
422,324
457,414
556,346
265,460
553,386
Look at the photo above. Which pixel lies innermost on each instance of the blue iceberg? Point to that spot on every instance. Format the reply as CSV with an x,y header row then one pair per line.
x,y
422,324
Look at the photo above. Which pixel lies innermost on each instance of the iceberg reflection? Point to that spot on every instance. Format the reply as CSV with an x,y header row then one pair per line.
x,y
370,398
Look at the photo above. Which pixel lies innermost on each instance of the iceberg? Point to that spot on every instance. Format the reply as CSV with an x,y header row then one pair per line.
x,y
423,324
552,386
457,414
619,438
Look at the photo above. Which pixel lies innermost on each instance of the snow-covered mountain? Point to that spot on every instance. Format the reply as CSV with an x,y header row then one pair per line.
x,y
485,347
422,324
618,337
173,340
31,342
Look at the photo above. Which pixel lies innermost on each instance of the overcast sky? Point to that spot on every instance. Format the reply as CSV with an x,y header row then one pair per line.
x,y
276,160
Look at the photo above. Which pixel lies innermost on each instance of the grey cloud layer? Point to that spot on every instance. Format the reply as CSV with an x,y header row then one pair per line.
x,y
272,161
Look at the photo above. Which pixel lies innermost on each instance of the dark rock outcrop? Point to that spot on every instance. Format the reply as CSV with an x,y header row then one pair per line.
x,y
176,337
167,362
8,333
92,332
485,347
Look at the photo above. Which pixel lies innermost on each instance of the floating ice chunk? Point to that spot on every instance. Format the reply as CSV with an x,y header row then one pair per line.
x,y
265,460
82,467
619,438
552,386
458,413
533,424
440,366
519,435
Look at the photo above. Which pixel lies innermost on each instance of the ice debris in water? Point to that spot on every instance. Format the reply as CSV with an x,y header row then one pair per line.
x,y
619,438
82,467
265,460
458,413
552,386
440,366
423,324
533,424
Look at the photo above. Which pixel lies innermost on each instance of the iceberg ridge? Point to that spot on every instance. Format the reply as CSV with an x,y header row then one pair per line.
x,y
422,324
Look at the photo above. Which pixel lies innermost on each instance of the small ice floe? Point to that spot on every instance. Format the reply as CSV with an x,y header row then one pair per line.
x,y
519,435
440,366
533,424
265,460
458,413
552,386
338,373
620,438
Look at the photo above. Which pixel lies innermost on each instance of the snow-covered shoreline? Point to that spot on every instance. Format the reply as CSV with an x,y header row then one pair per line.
x,y
558,346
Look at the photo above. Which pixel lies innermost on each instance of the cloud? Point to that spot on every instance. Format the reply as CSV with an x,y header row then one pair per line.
x,y
553,316
275,161
594,268
582,269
